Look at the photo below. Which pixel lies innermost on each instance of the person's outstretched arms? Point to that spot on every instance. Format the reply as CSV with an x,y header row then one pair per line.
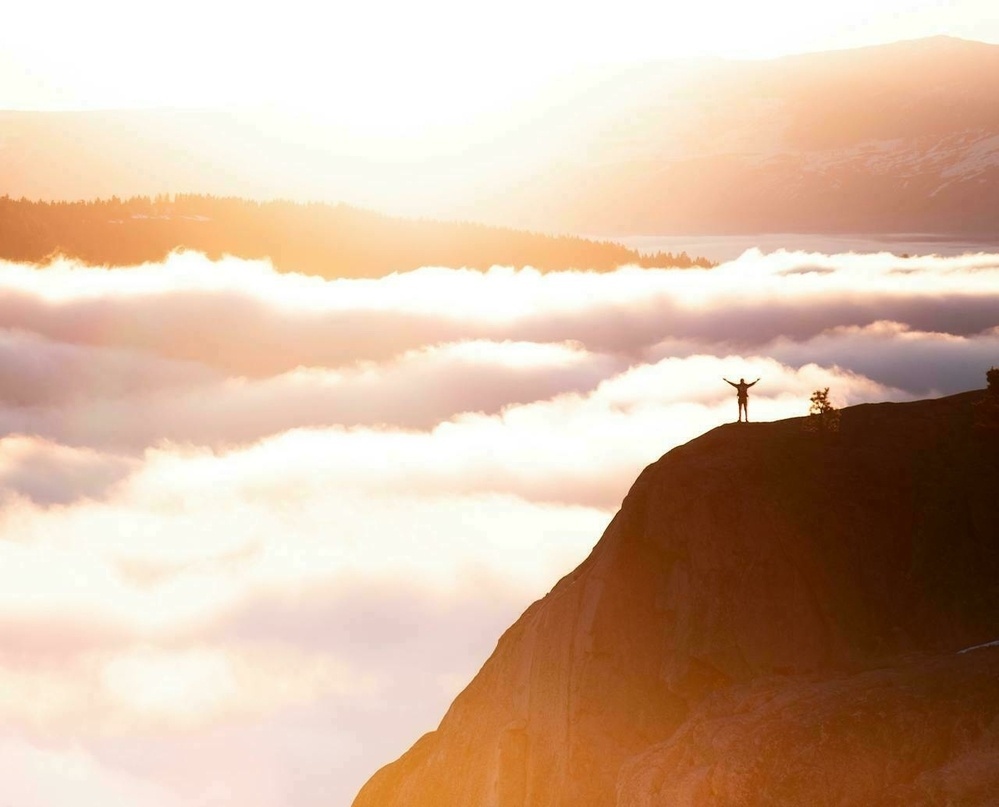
x,y
729,382
749,385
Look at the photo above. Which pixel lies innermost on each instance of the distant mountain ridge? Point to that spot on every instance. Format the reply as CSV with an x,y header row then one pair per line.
x,y
893,138
773,617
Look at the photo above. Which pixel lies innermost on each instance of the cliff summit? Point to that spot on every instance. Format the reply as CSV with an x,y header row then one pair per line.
x,y
772,617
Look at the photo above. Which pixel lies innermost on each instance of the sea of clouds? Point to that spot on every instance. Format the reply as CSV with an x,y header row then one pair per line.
x,y
257,530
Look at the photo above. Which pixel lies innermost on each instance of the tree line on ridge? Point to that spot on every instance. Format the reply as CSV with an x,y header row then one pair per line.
x,y
328,240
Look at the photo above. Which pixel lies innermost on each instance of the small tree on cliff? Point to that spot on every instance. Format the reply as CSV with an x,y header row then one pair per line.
x,y
823,417
987,409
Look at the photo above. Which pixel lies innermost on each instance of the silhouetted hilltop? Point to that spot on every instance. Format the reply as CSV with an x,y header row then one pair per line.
x,y
318,239
773,617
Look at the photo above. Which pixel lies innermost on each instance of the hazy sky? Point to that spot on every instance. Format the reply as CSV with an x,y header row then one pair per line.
x,y
402,64
257,530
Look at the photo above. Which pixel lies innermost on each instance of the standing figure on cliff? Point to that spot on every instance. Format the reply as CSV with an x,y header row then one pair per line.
x,y
743,390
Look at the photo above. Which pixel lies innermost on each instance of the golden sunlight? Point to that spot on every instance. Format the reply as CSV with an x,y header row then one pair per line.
x,y
390,69
334,336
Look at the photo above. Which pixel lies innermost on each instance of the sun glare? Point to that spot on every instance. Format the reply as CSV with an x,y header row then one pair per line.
x,y
393,71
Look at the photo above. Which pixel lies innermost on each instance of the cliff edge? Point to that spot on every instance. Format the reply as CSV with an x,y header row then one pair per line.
x,y
773,616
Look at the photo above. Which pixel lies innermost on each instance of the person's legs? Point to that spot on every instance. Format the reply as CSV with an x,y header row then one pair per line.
x,y
742,408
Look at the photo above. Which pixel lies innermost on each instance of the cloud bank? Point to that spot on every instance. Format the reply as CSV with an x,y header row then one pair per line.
x,y
246,515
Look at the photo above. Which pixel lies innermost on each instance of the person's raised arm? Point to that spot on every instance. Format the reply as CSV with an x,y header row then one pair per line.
x,y
729,382
749,385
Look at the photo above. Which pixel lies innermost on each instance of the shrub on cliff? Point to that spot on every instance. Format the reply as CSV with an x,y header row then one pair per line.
x,y
823,417
987,409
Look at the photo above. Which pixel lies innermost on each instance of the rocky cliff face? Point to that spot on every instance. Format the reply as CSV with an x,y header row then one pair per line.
x,y
772,617
921,732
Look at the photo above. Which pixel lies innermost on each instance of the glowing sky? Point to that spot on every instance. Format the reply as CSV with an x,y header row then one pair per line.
x,y
390,67
257,529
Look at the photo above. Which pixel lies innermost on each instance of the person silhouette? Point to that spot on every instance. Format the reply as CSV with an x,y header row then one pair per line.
x,y
742,388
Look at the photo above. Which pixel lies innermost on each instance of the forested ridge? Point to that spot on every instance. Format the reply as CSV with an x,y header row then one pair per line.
x,y
313,238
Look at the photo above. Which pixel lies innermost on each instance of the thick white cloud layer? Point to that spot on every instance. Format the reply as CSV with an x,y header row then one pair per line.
x,y
248,516
37,776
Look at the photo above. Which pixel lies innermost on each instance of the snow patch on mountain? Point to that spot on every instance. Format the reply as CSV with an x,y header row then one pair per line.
x,y
978,157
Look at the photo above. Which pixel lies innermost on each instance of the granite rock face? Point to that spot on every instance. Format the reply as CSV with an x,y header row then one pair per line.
x,y
772,617
921,732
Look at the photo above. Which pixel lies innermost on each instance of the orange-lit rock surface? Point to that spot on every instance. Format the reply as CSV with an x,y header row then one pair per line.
x,y
773,617
922,732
